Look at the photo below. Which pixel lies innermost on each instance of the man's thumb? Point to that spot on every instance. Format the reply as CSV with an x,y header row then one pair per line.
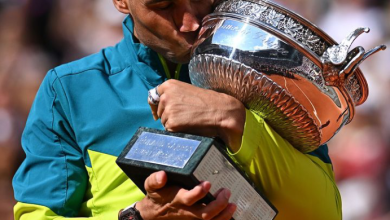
x,y
155,181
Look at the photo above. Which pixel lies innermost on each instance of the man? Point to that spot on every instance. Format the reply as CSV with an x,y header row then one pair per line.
x,y
86,111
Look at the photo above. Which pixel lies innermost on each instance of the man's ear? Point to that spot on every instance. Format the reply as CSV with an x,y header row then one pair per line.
x,y
122,6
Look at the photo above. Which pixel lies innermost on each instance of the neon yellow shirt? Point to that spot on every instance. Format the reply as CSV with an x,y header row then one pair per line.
x,y
300,186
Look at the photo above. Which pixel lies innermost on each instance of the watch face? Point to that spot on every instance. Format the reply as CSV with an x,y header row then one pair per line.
x,y
125,217
130,214
126,214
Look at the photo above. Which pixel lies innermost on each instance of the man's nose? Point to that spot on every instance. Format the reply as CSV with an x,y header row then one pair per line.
x,y
186,19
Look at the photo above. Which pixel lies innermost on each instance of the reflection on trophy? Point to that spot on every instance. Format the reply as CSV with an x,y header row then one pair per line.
x,y
282,67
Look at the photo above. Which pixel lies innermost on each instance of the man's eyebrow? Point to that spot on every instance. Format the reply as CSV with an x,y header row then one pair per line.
x,y
149,2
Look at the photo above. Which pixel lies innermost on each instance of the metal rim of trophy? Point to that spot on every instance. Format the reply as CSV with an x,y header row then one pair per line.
x,y
301,143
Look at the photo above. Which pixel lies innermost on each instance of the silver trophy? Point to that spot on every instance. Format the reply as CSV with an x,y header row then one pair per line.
x,y
303,83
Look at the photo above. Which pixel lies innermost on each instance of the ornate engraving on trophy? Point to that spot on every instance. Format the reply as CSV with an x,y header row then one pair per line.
x,y
276,19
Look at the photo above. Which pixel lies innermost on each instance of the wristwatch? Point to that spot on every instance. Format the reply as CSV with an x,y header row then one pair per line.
x,y
129,213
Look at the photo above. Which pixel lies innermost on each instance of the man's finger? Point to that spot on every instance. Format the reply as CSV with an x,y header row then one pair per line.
x,y
161,87
154,109
155,181
190,197
154,100
227,213
161,108
217,206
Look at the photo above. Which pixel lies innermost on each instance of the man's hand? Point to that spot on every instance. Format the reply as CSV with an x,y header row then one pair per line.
x,y
189,109
171,203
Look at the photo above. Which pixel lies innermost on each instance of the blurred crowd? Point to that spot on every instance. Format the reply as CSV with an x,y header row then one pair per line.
x,y
38,35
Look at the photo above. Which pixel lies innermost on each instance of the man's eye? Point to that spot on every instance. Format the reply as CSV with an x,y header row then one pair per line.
x,y
163,5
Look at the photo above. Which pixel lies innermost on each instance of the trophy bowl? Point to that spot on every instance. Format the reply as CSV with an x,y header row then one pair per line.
x,y
282,67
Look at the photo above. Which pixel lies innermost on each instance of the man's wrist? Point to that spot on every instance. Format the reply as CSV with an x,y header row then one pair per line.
x,y
231,126
130,213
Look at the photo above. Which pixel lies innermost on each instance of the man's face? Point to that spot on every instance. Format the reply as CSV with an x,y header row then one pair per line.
x,y
169,27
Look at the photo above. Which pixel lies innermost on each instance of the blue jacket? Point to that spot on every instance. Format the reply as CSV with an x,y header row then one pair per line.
x,y
83,111
84,114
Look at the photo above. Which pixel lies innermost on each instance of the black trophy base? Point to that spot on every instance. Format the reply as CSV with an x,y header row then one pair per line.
x,y
188,160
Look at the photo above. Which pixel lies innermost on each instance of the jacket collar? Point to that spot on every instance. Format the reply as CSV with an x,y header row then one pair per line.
x,y
143,55
146,57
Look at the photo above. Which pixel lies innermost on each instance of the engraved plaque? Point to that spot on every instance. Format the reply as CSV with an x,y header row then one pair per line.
x,y
188,160
162,149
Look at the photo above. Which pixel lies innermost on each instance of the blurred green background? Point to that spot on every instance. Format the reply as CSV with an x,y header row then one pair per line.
x,y
38,35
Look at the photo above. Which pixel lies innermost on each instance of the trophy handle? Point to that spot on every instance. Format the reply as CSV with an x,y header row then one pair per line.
x,y
354,35
356,55
366,55
337,54
338,59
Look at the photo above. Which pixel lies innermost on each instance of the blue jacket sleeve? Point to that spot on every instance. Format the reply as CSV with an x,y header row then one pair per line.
x,y
53,174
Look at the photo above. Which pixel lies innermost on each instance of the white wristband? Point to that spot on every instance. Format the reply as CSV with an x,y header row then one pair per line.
x,y
130,206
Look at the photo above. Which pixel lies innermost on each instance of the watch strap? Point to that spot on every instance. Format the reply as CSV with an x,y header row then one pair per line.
x,y
130,213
